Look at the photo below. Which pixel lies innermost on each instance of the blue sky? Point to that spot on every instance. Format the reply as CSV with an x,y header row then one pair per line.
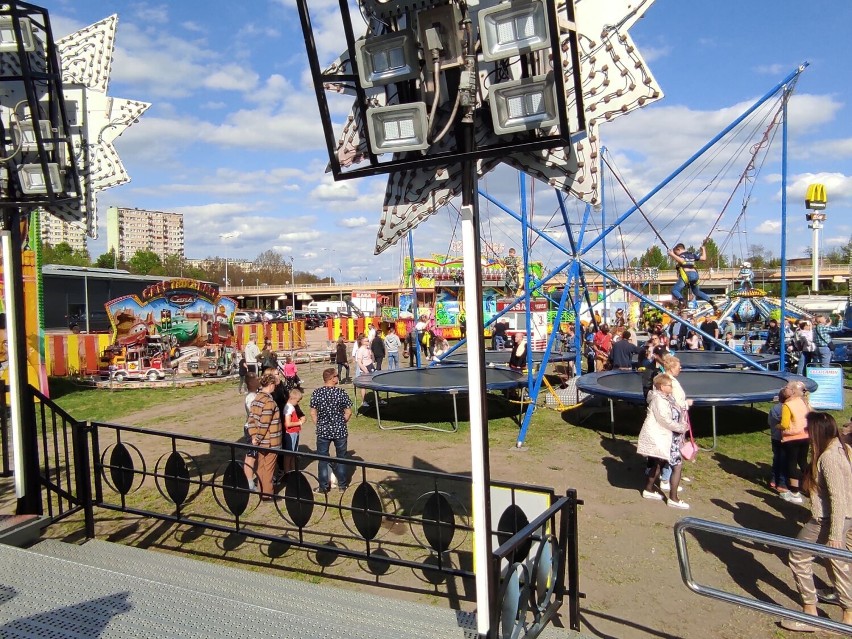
x,y
233,139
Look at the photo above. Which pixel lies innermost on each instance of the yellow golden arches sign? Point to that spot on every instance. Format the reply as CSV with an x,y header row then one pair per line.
x,y
816,198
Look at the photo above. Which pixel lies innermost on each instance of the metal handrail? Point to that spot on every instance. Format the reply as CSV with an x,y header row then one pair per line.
x,y
746,534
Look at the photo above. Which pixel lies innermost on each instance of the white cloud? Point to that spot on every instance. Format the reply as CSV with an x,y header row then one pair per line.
x,y
330,191
353,222
832,149
300,236
769,226
837,185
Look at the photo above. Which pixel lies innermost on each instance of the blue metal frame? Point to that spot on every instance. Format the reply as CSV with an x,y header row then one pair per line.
x,y
414,294
783,322
577,263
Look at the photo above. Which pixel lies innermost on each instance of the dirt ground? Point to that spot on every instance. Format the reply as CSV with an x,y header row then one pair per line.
x,y
629,570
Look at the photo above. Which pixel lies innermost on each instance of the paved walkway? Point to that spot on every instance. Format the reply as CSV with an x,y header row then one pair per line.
x,y
108,591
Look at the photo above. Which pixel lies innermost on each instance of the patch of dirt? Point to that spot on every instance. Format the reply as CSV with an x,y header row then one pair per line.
x,y
629,569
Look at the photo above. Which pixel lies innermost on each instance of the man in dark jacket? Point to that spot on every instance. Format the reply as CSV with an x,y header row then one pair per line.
x,y
377,346
622,353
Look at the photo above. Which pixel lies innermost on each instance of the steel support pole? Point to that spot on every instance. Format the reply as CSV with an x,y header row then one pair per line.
x,y
783,319
480,468
24,436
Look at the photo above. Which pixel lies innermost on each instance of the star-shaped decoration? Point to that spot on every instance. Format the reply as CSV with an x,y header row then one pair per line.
x,y
86,66
615,81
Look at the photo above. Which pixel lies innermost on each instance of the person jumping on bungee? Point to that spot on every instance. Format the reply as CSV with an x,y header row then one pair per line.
x,y
687,274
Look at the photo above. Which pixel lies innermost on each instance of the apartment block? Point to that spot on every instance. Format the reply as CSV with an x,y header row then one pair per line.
x,y
133,230
55,231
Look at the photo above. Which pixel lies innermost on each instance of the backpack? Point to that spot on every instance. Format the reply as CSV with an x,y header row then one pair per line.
x,y
805,345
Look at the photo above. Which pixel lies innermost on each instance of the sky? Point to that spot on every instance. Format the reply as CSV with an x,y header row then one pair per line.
x,y
233,138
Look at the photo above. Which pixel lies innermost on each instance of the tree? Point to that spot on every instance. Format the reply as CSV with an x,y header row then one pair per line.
x,y
174,265
759,256
654,256
715,258
271,268
145,263
62,253
107,260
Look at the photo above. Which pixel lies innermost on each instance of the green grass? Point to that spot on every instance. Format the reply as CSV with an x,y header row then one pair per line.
x,y
97,404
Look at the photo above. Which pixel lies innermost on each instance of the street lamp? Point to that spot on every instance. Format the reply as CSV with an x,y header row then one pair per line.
x,y
293,280
225,237
341,283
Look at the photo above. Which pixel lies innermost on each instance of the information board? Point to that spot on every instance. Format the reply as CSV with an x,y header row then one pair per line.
x,y
829,394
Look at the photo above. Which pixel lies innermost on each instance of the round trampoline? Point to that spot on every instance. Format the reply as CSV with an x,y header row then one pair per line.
x,y
501,358
704,387
448,378
720,359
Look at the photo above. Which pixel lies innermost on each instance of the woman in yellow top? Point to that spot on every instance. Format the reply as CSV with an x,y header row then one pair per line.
x,y
794,439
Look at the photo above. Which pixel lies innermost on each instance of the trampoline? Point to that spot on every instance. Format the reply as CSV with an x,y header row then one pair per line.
x,y
448,379
720,359
501,358
706,387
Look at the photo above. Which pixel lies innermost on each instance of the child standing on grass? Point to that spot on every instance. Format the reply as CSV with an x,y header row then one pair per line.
x,y
294,419
779,456
794,440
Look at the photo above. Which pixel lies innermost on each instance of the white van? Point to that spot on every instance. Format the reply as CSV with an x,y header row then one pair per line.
x,y
334,306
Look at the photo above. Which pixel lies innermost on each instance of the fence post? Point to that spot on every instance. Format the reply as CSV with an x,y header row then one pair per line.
x,y
570,529
80,436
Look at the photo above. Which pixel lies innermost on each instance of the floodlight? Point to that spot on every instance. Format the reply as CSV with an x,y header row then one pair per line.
x,y
33,182
26,130
387,58
8,41
512,28
385,10
523,105
398,128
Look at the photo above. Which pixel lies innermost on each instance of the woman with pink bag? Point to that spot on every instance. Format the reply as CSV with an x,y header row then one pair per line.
x,y
660,439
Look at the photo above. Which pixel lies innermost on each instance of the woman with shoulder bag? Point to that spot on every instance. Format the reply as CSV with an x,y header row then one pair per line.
x,y
660,440
829,482
265,430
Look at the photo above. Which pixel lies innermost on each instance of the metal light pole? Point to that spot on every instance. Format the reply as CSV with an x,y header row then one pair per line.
x,y
293,280
815,201
227,236
341,283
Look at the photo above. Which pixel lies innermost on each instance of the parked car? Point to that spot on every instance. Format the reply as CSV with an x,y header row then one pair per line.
x,y
311,321
243,317
98,322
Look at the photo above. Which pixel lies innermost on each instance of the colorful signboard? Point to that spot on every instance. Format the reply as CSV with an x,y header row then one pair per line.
x,y
189,311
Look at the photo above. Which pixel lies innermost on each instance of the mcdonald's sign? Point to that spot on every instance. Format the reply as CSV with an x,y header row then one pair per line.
x,y
815,198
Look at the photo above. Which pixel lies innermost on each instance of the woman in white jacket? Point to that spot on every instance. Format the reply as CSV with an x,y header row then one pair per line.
x,y
660,439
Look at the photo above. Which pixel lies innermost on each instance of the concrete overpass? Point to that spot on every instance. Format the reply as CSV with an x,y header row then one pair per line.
x,y
713,280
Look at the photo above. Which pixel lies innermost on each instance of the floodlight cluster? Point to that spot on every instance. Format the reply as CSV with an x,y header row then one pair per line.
x,y
535,79
59,163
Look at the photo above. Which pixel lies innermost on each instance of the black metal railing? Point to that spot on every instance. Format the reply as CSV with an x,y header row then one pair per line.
x,y
387,518
64,466
532,564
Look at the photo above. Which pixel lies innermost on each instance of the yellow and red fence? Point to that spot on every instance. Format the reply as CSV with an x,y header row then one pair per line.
x,y
70,354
